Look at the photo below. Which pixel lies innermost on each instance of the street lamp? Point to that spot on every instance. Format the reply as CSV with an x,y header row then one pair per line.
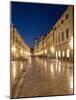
x,y
14,49
52,49
42,52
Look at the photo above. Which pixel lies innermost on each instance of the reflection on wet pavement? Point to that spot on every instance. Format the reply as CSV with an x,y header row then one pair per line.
x,y
44,77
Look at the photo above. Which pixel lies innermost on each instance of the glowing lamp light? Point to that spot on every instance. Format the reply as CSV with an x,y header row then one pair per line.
x,y
14,49
68,53
52,49
45,51
71,43
21,51
14,70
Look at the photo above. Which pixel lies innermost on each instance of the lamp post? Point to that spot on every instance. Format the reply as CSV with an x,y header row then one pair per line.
x,y
52,49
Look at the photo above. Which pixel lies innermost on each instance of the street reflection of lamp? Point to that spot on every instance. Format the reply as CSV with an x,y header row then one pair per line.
x,y
68,53
14,70
59,67
71,42
52,49
52,68
56,54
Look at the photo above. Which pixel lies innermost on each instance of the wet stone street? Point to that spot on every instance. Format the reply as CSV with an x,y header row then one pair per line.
x,y
42,77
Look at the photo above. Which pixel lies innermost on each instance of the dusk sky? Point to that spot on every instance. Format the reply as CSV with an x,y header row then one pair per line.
x,y
34,20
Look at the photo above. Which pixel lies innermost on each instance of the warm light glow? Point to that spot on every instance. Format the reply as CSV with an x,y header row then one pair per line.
x,y
42,52
28,53
45,51
14,70
56,54
68,53
52,49
71,43
59,67
52,69
21,51
14,49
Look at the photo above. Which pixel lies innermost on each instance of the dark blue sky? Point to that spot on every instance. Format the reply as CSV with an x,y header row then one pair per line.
x,y
33,20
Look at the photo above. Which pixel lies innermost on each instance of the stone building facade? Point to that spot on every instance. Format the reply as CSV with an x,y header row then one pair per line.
x,y
19,49
59,41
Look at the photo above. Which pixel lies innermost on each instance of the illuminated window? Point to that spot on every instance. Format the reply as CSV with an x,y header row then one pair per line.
x,y
68,53
59,53
63,53
14,49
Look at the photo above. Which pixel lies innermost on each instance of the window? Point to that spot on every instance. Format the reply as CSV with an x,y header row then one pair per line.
x,y
61,21
68,53
67,33
62,36
66,16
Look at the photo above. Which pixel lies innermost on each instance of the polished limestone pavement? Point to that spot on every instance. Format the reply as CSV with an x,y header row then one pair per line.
x,y
45,77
